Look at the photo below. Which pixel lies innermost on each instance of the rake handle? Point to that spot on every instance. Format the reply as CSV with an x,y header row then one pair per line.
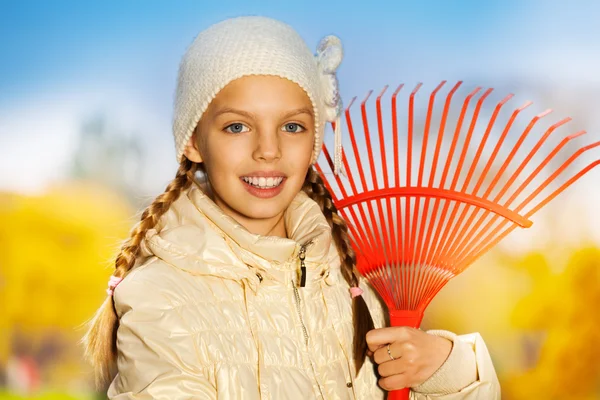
x,y
404,318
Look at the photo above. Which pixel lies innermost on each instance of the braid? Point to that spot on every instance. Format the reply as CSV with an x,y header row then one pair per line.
x,y
101,338
129,251
362,320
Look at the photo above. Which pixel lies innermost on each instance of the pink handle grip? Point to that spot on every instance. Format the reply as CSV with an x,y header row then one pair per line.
x,y
404,318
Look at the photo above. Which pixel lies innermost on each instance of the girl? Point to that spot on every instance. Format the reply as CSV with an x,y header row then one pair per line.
x,y
242,284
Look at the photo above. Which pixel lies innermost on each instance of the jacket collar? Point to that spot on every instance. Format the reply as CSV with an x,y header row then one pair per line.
x,y
304,223
195,235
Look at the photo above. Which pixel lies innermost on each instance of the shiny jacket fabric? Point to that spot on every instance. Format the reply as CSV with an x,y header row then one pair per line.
x,y
212,311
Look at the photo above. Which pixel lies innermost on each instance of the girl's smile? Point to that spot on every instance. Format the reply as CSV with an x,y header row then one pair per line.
x,y
264,192
264,184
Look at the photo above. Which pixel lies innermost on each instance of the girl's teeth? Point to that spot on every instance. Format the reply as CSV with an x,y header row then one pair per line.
x,y
264,183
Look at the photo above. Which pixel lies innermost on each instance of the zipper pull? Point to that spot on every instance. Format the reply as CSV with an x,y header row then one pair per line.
x,y
302,255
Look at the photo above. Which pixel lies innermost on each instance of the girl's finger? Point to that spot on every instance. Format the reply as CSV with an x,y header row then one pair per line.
x,y
381,337
382,355
394,382
392,368
370,352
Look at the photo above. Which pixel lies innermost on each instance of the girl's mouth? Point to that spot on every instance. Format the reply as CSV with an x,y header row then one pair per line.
x,y
262,182
263,187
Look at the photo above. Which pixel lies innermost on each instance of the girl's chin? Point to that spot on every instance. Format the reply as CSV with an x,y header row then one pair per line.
x,y
263,211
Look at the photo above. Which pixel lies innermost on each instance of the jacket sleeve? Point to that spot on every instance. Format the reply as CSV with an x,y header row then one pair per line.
x,y
467,374
157,358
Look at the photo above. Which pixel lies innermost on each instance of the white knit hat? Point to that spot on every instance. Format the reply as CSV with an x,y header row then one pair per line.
x,y
244,46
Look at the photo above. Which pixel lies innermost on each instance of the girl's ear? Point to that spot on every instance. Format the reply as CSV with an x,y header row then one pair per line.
x,y
191,151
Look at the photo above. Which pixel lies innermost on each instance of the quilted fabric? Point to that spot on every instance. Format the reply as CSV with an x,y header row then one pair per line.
x,y
213,311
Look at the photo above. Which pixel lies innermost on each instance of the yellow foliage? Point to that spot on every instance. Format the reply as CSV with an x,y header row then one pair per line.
x,y
55,258
482,299
562,309
538,318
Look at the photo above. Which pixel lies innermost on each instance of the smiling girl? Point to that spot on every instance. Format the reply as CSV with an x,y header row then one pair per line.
x,y
239,282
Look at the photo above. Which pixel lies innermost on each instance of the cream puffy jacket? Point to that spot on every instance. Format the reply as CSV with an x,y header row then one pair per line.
x,y
213,311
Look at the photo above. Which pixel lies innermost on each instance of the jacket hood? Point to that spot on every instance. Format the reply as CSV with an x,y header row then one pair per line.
x,y
196,236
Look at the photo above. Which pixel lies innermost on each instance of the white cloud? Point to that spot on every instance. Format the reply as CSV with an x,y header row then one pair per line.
x,y
35,142
38,135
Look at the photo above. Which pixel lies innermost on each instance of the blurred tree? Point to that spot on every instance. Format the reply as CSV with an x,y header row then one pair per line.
x,y
108,156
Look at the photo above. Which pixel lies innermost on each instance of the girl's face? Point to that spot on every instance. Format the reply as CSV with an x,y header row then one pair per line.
x,y
256,141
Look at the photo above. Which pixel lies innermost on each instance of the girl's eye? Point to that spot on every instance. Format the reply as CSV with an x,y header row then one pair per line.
x,y
236,128
293,128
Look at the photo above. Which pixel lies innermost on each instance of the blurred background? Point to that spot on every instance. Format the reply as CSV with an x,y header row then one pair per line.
x,y
86,90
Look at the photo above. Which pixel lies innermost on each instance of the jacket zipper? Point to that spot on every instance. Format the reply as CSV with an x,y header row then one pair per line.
x,y
302,283
301,256
297,296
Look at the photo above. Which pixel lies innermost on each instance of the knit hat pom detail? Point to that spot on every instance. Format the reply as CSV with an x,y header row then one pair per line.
x,y
329,58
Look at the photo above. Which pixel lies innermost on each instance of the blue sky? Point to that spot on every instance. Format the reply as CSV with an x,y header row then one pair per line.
x,y
45,43
63,61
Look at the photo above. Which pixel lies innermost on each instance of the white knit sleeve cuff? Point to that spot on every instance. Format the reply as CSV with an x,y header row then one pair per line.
x,y
457,372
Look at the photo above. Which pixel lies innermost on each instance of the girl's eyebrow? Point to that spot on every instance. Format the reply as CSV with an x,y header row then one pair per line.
x,y
247,114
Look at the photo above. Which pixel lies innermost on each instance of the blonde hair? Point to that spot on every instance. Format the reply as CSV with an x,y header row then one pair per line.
x,y
100,341
361,316
101,338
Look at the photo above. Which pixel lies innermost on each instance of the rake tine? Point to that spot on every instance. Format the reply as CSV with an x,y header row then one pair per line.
x,y
382,229
414,238
358,236
461,243
439,256
440,222
365,221
500,172
542,165
464,222
436,155
365,122
424,241
407,226
528,158
530,178
355,190
535,173
400,276
543,185
389,221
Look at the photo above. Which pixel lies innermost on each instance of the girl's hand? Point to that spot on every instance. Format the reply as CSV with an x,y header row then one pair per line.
x,y
417,355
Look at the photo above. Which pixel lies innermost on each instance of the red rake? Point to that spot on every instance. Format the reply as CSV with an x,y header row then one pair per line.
x,y
415,233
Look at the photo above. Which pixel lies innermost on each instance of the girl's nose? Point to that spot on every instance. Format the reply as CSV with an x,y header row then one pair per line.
x,y
268,146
